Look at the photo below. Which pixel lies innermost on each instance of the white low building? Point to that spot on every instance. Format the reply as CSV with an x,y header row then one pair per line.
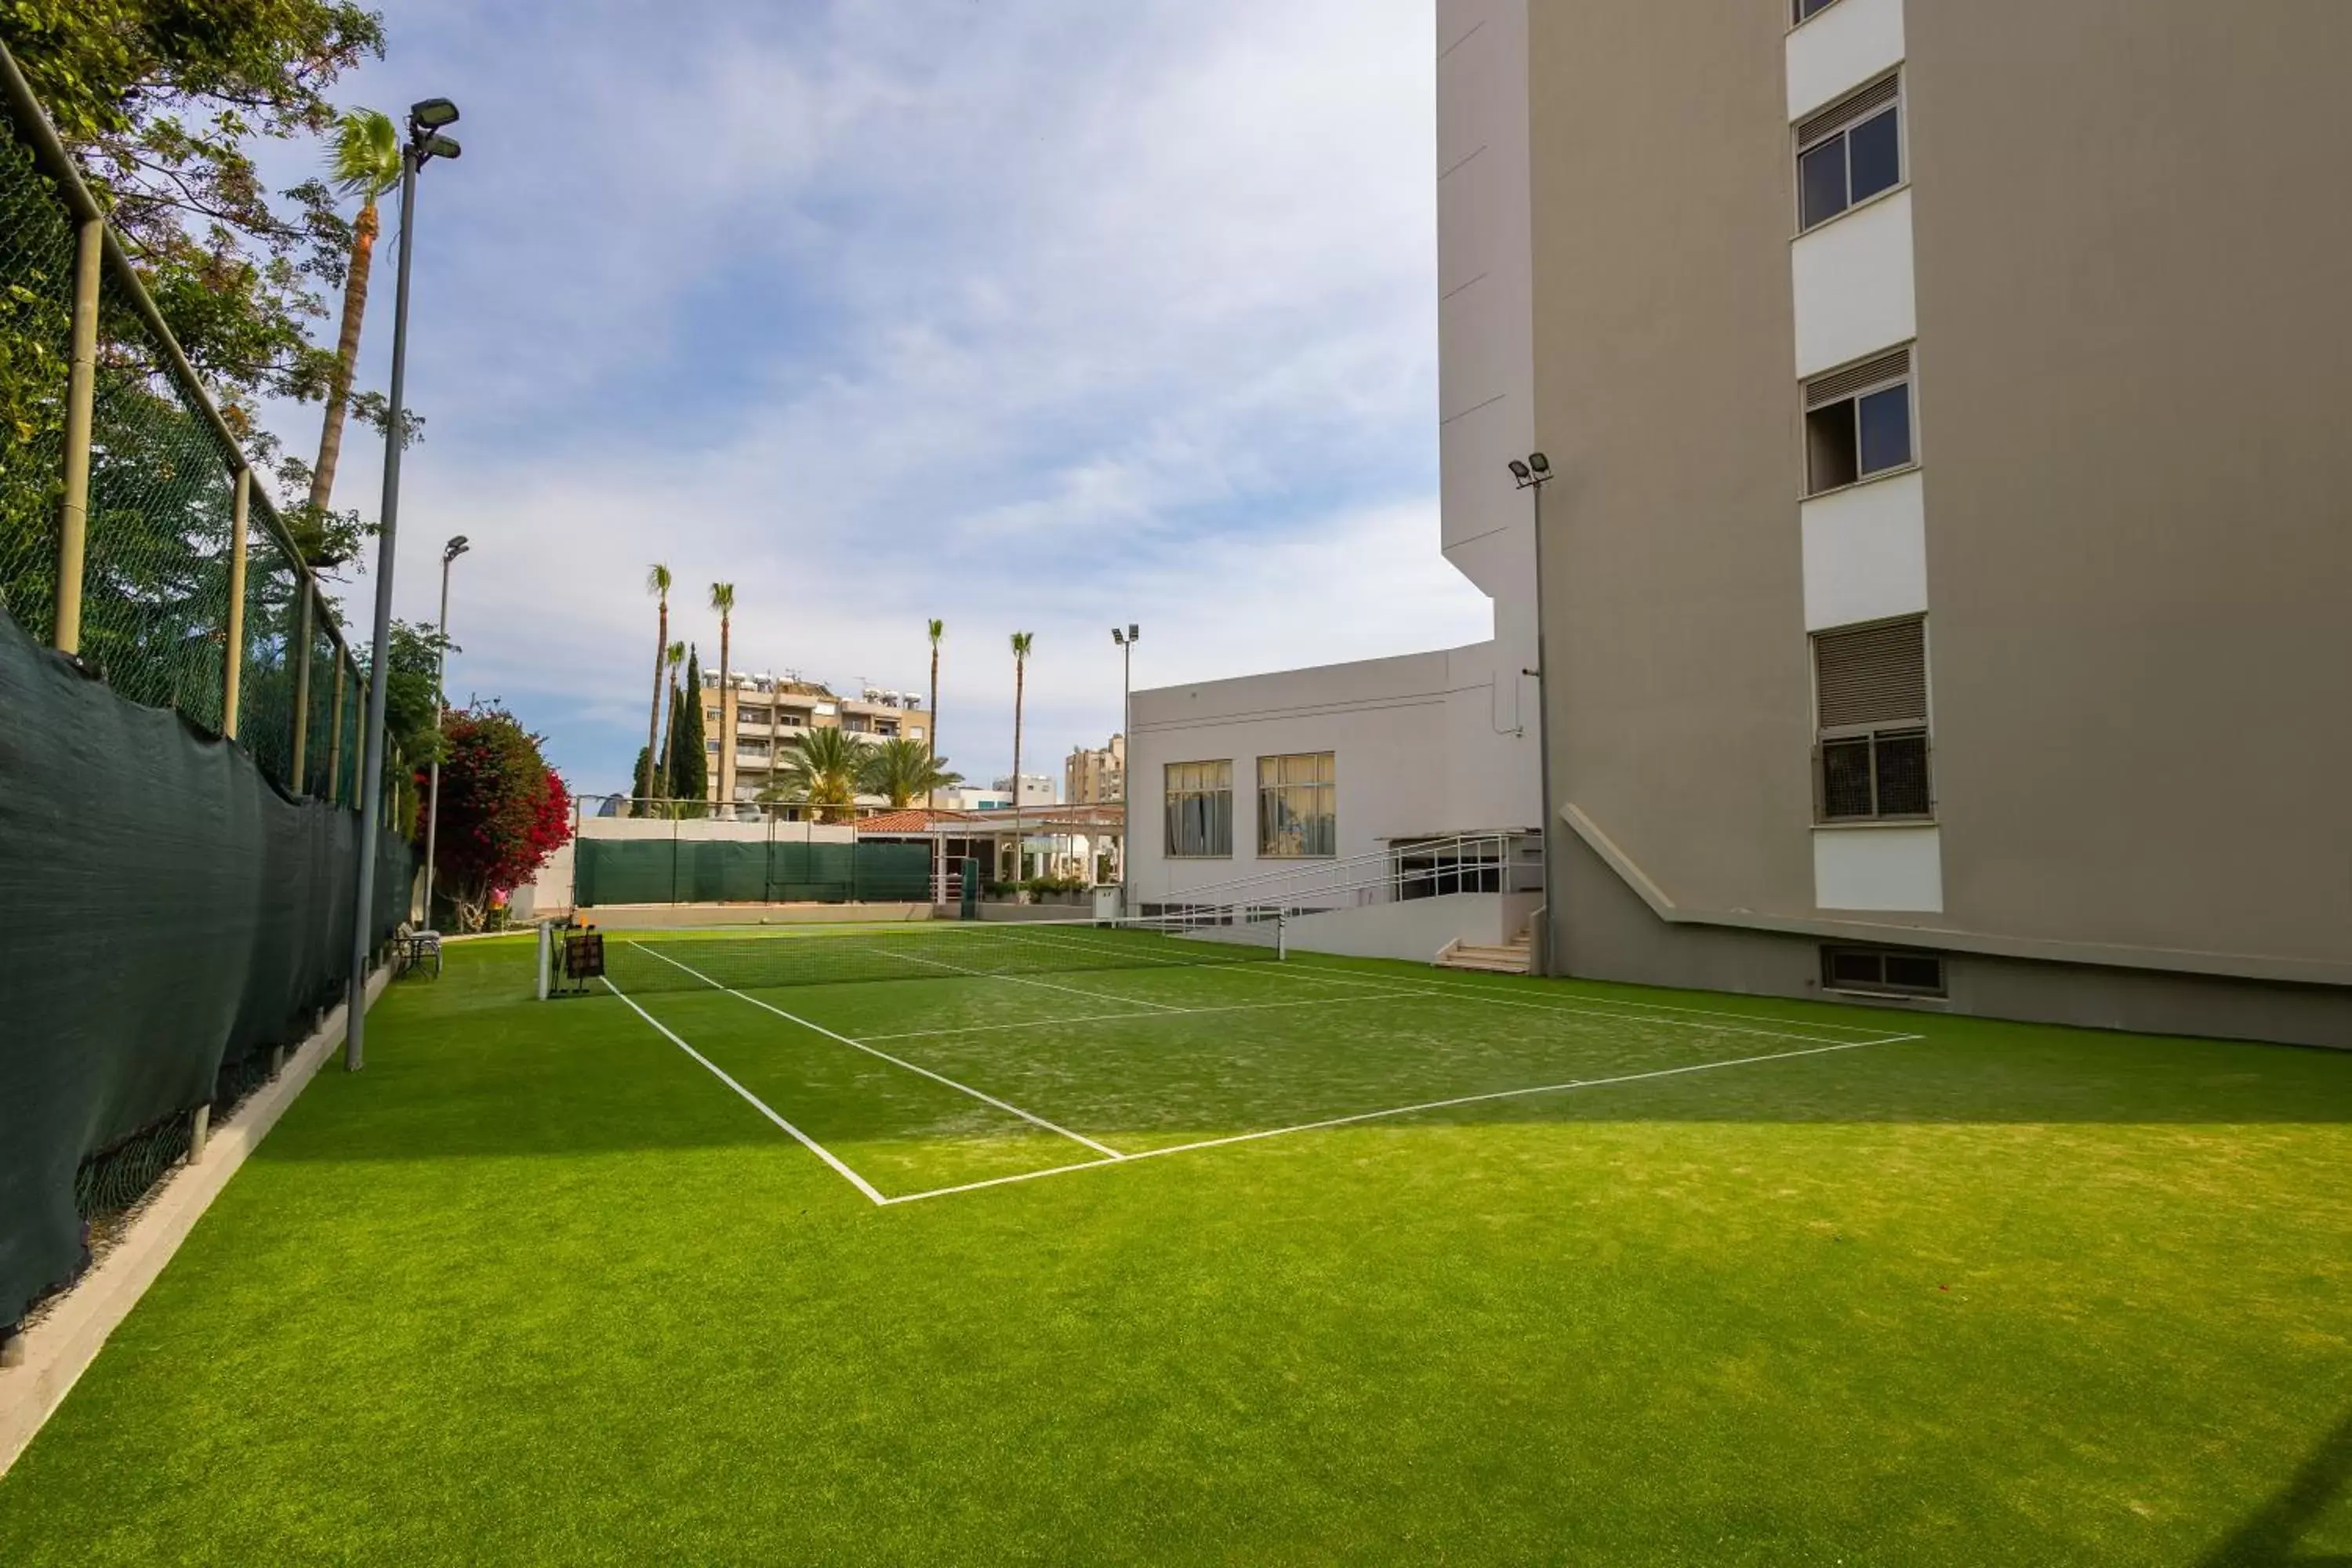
x,y
1301,782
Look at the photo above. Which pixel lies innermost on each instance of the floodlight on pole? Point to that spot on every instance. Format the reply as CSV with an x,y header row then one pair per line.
x,y
1126,641
449,553
425,118
1532,475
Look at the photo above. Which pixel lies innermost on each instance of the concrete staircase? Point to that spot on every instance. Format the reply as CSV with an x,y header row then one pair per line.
x,y
1510,959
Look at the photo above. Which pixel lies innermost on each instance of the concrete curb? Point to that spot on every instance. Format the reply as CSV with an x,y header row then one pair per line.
x,y
59,1349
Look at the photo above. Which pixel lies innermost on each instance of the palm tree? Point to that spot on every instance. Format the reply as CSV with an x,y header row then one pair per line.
x,y
1021,646
899,770
672,657
822,772
658,581
937,630
364,162
722,599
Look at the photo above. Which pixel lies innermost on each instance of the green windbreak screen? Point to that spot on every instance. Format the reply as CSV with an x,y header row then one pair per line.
x,y
690,871
176,915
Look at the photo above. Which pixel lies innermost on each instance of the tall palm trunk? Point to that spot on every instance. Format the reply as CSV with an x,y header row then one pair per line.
x,y
1019,686
652,721
347,355
726,710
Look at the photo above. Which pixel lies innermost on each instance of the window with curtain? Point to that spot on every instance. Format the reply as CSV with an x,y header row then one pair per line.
x,y
1298,807
1199,810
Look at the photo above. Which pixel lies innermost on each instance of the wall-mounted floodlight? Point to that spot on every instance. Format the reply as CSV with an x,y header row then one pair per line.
x,y
1539,462
1519,471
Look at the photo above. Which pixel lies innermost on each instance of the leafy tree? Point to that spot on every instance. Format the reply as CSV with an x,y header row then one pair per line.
x,y
688,767
657,582
823,773
899,770
503,810
161,101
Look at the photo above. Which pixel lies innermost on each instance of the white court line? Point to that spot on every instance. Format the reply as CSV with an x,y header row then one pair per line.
x,y
1405,1111
1041,985
819,1150
895,1061
1471,993
1614,1002
1108,1017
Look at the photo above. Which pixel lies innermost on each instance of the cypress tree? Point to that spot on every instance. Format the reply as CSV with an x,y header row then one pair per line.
x,y
689,763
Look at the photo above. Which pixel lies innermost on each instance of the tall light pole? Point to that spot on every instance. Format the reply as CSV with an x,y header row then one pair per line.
x,y
1126,641
1533,474
449,553
425,144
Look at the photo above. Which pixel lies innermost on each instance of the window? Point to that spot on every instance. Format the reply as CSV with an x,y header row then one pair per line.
x,y
1849,152
1296,817
1883,971
1858,423
751,747
886,727
1870,685
1199,810
710,715
1808,10
788,720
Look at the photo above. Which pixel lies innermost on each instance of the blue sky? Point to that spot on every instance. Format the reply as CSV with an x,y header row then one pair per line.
x,y
1028,314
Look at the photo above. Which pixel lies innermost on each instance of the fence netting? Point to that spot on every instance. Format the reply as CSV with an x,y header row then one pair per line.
x,y
690,871
181,903
36,269
179,917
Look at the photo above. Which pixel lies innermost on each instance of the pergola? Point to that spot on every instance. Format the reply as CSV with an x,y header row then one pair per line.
x,y
1073,837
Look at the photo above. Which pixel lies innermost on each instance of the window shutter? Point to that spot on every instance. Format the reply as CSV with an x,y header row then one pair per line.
x,y
1873,675
1877,96
1844,384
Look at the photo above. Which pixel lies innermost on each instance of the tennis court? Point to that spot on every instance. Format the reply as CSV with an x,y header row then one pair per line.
x,y
1131,1247
930,1060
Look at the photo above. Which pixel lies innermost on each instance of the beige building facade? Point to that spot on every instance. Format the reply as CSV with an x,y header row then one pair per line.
x,y
1947,562
1096,776
749,728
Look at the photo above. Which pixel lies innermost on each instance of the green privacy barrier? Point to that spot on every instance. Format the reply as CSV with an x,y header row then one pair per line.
x,y
174,916
689,870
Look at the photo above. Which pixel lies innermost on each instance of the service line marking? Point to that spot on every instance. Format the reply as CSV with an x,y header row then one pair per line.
x,y
1426,1105
1109,1017
1320,975
819,1150
1028,1116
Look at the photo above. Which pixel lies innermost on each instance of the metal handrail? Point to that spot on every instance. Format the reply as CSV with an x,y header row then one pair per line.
x,y
1406,870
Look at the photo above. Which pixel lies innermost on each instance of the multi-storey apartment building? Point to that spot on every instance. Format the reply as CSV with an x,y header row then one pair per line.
x,y
1946,574
762,713
1948,533
1093,776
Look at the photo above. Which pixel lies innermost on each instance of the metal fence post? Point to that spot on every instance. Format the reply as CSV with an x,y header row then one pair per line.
x,y
335,736
81,383
233,656
298,772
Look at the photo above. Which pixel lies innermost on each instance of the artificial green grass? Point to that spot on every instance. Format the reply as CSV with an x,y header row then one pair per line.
x,y
536,1287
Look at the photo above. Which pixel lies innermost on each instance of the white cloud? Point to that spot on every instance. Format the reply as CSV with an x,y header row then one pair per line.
x,y
1031,313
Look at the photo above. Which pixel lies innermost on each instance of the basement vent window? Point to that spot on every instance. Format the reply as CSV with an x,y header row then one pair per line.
x,y
1808,10
1858,423
1883,971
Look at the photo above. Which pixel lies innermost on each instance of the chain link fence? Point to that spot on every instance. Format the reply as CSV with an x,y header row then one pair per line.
x,y
170,611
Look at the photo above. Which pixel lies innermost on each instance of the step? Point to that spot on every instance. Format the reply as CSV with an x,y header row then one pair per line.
x,y
1512,960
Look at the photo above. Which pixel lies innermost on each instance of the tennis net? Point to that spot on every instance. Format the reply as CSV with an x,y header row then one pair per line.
x,y
922,949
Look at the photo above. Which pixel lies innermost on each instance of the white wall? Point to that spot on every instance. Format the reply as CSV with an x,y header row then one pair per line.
x,y
1415,747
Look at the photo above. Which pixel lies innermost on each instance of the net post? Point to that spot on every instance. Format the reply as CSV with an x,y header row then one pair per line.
x,y
81,386
233,656
546,946
1281,937
200,1126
